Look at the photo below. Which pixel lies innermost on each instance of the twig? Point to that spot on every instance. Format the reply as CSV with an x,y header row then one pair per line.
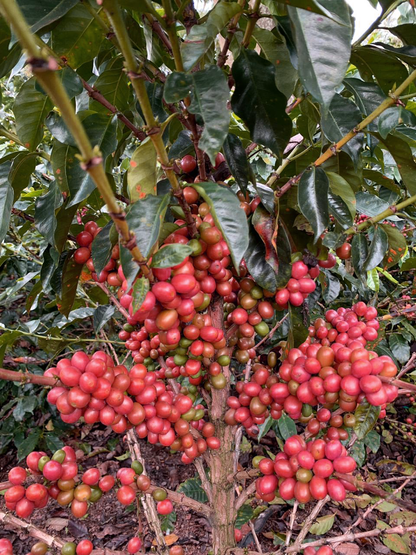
x,y
271,332
5,485
113,299
244,495
238,438
206,486
292,522
309,521
411,363
256,539
247,370
222,57
183,499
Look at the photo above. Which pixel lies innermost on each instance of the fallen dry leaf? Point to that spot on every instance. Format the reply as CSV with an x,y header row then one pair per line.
x,y
348,549
169,539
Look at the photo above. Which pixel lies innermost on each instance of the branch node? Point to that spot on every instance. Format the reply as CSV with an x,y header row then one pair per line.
x,y
153,131
393,208
41,65
121,216
95,161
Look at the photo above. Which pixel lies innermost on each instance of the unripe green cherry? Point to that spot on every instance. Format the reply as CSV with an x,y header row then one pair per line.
x,y
159,494
262,329
42,461
137,467
59,456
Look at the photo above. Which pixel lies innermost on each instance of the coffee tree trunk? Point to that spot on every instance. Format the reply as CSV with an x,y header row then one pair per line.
x,y
221,462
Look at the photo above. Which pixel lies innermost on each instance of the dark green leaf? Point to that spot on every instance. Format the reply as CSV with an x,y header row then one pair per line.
x,y
102,132
155,94
341,118
145,218
377,250
359,252
380,179
228,216
405,32
6,199
102,315
140,290
24,406
59,130
368,97
29,444
366,417
274,47
45,217
358,453
403,157
259,103
201,37
298,330
399,347
170,255
142,174
342,165
101,248
265,427
340,210
245,513
237,161
409,264
384,66
193,489
322,525
313,199
392,118
182,146
397,246
284,253
210,94
129,265
264,223
40,15
333,10
8,57
287,427
372,441
69,174
266,195
114,86
53,442
322,63
49,266
22,168
370,205
405,53
77,37
331,286
30,109
261,272
70,276
342,188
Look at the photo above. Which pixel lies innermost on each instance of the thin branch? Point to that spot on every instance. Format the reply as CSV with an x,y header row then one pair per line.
x,y
309,521
256,539
222,58
183,499
245,495
271,332
411,363
206,486
253,17
113,299
26,377
292,521
238,438
376,23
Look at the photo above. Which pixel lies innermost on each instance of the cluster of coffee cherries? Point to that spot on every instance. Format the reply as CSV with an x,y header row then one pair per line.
x,y
84,547
61,474
299,286
99,391
334,366
303,471
83,256
131,484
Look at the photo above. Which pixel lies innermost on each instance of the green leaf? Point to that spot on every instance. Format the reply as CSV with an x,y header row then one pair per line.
x,y
259,103
372,440
102,315
340,210
53,442
366,417
265,223
45,217
244,514
182,146
333,10
193,489
142,173
313,199
298,330
274,47
24,405
342,165
405,32
237,161
373,280
322,525
331,287
377,250
264,428
287,427
260,271
28,445
129,265
397,543
392,118
70,276
409,264
114,86
385,67
77,37
69,174
341,188
23,166
322,63
210,94
8,57
140,289
359,252
403,157
30,110
145,218
6,199
399,347
358,453
40,15
369,204
170,255
202,37
341,118
228,216
101,248
397,246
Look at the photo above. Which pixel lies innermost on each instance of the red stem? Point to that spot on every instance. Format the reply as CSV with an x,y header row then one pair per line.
x,y
26,377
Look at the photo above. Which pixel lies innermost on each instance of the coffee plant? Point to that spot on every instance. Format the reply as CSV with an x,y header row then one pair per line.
x,y
207,226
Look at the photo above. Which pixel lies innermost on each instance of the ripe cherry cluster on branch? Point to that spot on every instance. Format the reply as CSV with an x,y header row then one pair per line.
x,y
303,471
94,388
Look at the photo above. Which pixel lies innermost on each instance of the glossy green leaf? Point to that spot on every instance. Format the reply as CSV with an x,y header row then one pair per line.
x,y
30,109
77,37
45,216
6,199
358,453
322,62
366,417
228,216
145,218
170,255
59,130
69,174
384,66
70,276
22,168
155,94
259,103
142,174
333,10
237,161
359,252
201,37
405,32
403,157
341,188
405,53
392,118
287,426
367,96
373,280
41,14
399,347
331,286
372,441
322,525
29,444
342,165
140,289
8,57
182,146
64,216
339,209
380,179
274,47
130,267
101,248
397,246
313,199
377,249
261,272
210,94
341,118
50,264
298,326
113,84
193,489
101,130
244,514
102,315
